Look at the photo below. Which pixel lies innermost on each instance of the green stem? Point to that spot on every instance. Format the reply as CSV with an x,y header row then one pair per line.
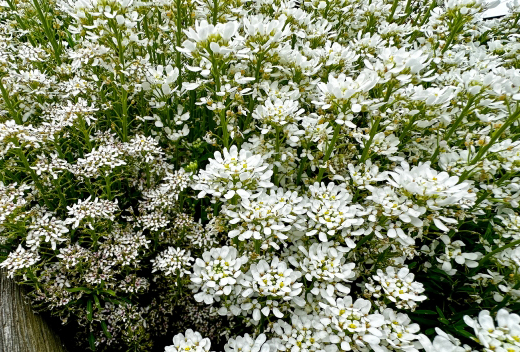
x,y
373,132
60,192
329,150
9,104
498,250
508,298
495,136
453,32
364,239
427,14
109,193
454,127
33,175
124,108
407,128
300,171
178,40
215,12
487,193
223,121
392,11
277,156
86,135
48,32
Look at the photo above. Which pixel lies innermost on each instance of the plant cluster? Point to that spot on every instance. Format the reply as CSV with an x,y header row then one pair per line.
x,y
264,175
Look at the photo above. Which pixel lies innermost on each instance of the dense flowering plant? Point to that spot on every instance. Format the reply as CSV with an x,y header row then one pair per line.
x,y
264,175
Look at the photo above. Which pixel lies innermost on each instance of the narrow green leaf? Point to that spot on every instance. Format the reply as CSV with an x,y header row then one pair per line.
x,y
444,321
113,293
440,312
89,310
96,299
92,341
76,289
424,312
105,329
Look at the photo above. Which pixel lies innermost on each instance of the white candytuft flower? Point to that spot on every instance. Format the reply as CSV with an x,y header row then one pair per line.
x,y
216,273
246,343
325,264
189,341
172,262
19,259
504,335
274,279
234,173
397,286
90,210
268,217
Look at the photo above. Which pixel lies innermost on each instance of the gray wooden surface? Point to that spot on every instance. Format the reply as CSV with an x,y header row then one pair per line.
x,y
20,329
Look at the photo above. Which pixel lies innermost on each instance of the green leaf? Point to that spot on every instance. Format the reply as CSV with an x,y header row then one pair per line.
x,y
423,320
444,321
92,341
465,333
77,289
430,331
105,329
96,299
440,312
424,312
89,310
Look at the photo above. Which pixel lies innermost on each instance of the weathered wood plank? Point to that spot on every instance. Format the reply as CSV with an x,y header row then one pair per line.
x,y
21,330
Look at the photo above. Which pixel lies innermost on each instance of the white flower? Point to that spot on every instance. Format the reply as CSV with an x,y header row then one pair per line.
x,y
206,35
172,261
19,259
272,32
439,188
90,210
236,173
343,89
435,189
161,80
352,323
48,227
267,217
399,332
12,198
306,333
454,251
247,344
190,341
442,343
278,112
216,273
504,336
99,162
399,287
274,279
325,264
329,213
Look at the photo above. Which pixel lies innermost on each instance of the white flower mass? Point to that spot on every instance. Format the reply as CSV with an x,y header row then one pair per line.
x,y
264,175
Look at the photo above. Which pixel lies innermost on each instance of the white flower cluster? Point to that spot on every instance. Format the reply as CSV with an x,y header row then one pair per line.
x,y
312,175
234,173
398,286
89,210
172,261
189,341
19,259
216,273
504,336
